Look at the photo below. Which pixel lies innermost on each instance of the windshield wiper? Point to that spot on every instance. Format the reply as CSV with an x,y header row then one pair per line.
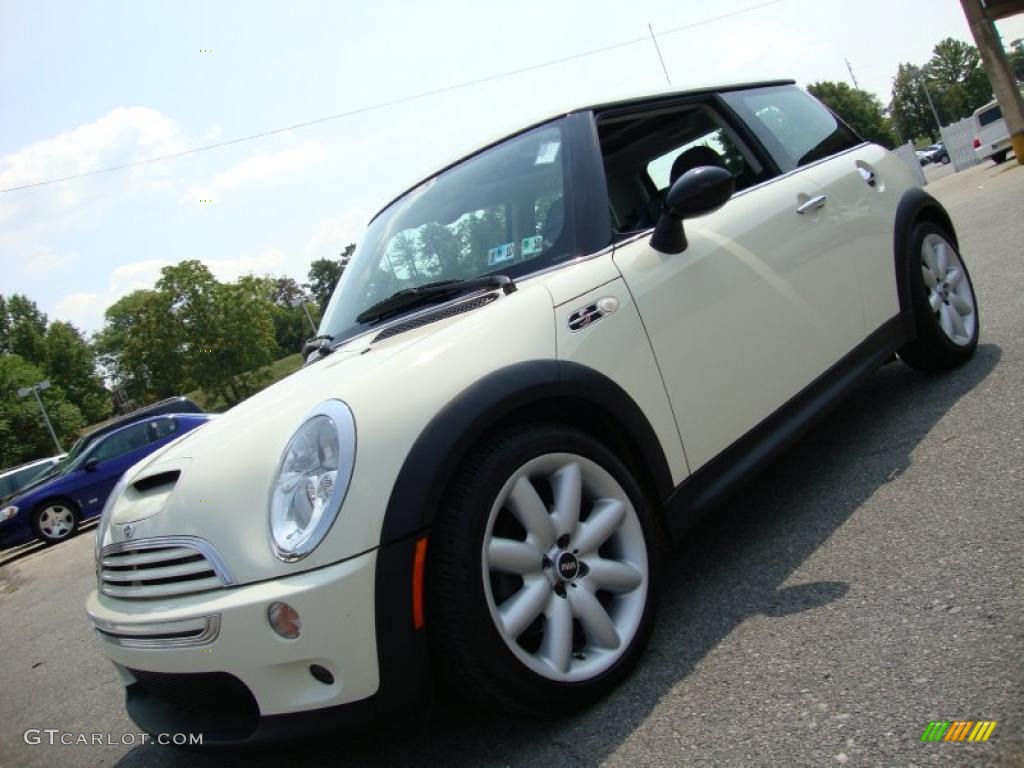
x,y
425,294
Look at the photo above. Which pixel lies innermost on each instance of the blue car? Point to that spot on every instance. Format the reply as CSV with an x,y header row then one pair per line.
x,y
52,506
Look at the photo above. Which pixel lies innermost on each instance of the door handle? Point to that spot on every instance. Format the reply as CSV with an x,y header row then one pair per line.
x,y
812,205
868,175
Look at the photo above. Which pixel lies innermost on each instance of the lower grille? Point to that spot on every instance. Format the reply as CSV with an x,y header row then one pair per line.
x,y
201,693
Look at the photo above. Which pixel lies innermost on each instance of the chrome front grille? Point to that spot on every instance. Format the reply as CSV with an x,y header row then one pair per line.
x,y
165,566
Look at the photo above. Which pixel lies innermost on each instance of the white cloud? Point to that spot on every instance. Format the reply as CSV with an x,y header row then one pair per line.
x,y
124,135
45,260
228,270
257,168
333,233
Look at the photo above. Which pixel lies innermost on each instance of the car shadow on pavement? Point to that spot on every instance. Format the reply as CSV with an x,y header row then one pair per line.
x,y
731,568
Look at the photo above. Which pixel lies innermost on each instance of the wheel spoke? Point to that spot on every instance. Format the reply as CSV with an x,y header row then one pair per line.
x,y
935,301
961,305
958,322
954,277
604,520
931,261
613,575
510,556
567,484
946,320
524,606
929,277
556,648
528,507
594,618
942,259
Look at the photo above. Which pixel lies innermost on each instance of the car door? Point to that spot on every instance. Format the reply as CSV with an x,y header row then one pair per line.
x,y
858,179
108,459
757,306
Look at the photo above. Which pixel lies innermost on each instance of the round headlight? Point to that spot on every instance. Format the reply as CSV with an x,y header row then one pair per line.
x,y
312,479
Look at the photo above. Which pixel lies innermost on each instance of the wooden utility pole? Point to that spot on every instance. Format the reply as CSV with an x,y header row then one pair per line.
x,y
1004,84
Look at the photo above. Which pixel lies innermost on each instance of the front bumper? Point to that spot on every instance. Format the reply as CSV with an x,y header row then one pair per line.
x,y
248,684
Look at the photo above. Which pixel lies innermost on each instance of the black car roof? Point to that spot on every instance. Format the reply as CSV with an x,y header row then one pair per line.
x,y
169,405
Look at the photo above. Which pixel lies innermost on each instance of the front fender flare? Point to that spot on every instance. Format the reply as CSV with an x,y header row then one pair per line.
x,y
444,442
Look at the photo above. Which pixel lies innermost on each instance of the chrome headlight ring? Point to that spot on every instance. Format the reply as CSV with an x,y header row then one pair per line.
x,y
312,480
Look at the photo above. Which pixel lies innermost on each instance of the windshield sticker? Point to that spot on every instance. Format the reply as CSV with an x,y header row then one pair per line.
x,y
532,245
501,253
547,152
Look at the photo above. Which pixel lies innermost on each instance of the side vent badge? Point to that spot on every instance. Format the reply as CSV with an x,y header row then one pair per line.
x,y
589,315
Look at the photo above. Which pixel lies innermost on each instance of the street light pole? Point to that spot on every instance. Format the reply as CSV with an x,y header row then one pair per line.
x,y
927,93
24,391
302,300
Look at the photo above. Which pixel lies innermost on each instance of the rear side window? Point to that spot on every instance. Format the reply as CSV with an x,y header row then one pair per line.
x,y
794,126
162,428
989,116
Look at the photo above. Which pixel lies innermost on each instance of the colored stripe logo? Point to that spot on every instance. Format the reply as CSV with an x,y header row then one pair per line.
x,y
958,730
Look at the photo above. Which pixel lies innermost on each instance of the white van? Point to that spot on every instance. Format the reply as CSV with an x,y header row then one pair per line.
x,y
991,136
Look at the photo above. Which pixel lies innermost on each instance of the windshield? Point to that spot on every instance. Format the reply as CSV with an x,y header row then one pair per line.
x,y
502,211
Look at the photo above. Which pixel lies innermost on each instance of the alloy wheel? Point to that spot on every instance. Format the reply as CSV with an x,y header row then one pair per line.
x,y
565,567
949,291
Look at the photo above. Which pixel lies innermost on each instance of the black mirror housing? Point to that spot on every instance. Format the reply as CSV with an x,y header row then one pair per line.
x,y
91,464
697,192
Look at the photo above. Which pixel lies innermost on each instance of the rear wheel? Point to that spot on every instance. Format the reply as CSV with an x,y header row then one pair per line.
x,y
55,520
542,572
943,301
1000,157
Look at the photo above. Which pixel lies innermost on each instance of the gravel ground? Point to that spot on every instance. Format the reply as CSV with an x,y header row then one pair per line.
x,y
868,582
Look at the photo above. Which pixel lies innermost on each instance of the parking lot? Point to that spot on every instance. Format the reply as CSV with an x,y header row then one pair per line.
x,y
867,583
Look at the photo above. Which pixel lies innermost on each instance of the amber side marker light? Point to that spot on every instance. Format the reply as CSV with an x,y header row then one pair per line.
x,y
419,562
285,620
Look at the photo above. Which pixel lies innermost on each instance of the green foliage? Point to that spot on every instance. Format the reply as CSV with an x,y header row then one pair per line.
x,y
31,349
909,111
324,275
862,110
23,433
955,78
191,331
71,364
23,328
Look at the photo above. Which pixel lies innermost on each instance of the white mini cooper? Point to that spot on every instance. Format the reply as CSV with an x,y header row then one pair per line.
x,y
542,363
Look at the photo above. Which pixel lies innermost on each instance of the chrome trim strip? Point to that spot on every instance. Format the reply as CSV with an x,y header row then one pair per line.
x,y
159,634
202,546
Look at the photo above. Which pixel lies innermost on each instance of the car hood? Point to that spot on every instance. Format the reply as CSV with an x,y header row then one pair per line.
x,y
215,481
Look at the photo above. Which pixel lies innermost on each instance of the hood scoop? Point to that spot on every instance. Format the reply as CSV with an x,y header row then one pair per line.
x,y
432,317
159,480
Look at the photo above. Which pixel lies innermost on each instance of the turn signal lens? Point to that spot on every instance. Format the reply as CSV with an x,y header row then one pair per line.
x,y
977,142
285,620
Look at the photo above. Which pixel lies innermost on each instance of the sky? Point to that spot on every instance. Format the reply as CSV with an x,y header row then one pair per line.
x,y
91,85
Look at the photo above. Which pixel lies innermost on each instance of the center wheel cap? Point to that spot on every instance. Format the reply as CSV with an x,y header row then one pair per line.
x,y
568,566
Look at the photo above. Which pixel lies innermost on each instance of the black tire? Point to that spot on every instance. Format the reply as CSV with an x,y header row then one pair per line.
x,y
474,661
933,350
1000,157
37,515
945,159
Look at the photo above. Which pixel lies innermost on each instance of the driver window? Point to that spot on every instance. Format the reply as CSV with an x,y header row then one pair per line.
x,y
644,153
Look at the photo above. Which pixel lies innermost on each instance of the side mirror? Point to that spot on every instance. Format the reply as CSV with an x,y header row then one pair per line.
x,y
697,192
91,464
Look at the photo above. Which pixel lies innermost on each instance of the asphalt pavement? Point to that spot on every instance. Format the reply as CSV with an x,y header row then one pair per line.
x,y
867,583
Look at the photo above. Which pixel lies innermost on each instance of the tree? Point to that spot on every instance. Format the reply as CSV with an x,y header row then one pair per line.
x,y
71,364
291,327
1016,57
862,110
23,433
957,78
23,327
909,110
324,275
